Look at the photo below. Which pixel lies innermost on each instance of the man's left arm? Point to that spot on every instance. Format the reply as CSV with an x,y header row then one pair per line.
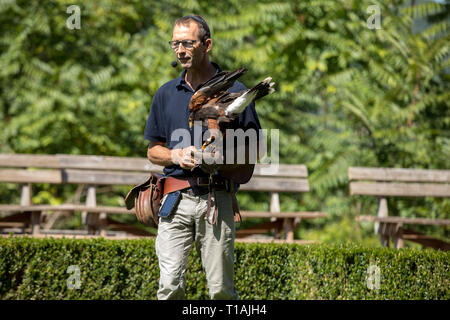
x,y
252,145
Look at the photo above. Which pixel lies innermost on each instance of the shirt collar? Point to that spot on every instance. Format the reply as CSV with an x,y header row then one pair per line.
x,y
182,82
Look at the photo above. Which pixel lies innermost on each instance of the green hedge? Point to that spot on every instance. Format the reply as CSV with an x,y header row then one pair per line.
x,y
128,269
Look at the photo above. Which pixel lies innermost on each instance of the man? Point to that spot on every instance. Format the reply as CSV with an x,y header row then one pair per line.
x,y
192,43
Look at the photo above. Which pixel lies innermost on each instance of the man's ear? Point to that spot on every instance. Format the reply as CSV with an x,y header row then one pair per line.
x,y
208,44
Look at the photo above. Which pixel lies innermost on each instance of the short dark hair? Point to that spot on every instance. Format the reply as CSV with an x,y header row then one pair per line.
x,y
203,29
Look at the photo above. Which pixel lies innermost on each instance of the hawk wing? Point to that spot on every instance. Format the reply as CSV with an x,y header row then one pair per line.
x,y
214,87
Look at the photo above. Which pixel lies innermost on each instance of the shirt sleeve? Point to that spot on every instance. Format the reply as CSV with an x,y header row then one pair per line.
x,y
154,129
249,118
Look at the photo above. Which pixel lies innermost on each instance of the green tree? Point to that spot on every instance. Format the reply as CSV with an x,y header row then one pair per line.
x,y
346,95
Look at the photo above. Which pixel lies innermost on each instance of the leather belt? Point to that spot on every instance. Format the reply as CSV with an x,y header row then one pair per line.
x,y
173,184
198,185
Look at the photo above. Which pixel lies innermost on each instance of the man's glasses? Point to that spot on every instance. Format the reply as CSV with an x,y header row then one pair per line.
x,y
187,44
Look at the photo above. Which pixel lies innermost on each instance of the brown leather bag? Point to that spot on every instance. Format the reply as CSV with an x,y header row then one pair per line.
x,y
146,198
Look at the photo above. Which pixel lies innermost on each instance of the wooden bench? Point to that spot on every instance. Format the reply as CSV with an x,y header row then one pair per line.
x,y
87,171
94,171
398,182
289,178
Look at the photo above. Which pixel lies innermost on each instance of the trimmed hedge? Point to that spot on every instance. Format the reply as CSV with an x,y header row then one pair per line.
x,y
128,269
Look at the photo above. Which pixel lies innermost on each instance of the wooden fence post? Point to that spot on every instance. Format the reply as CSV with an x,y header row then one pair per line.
x,y
382,211
103,222
25,196
397,236
275,207
91,218
383,230
35,217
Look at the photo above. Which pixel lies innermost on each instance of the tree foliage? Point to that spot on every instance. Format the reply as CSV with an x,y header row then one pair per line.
x,y
346,95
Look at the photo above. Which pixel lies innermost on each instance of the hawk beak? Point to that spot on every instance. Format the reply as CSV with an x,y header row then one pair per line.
x,y
208,142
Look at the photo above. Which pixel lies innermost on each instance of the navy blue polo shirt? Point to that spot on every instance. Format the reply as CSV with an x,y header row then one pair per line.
x,y
170,111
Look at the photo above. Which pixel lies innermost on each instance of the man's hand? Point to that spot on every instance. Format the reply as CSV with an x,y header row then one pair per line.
x,y
209,160
184,157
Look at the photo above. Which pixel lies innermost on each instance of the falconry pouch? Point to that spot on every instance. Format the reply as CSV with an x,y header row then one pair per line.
x,y
146,198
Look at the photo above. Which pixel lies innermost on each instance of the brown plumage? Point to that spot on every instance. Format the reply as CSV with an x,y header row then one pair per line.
x,y
215,107
208,92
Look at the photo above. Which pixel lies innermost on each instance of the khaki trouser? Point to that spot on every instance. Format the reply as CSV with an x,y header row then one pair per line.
x,y
215,244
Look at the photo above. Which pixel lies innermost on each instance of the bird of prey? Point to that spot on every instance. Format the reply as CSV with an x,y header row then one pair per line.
x,y
215,107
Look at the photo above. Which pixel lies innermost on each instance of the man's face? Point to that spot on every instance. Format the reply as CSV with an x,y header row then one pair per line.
x,y
190,58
